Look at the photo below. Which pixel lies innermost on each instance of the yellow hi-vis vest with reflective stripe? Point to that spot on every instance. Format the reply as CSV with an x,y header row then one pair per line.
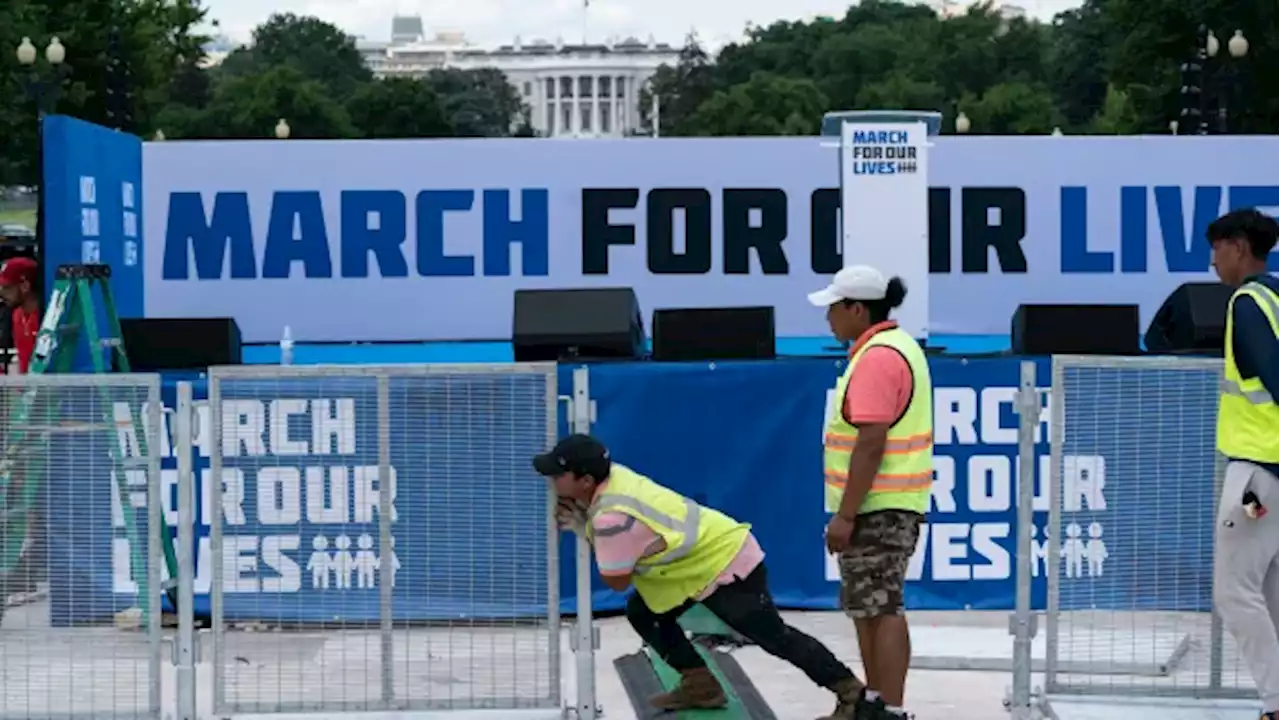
x,y
906,471
700,542
1248,418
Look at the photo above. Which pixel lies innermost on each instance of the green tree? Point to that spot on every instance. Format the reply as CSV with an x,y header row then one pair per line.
x,y
679,90
398,108
478,103
767,104
317,49
250,106
1012,108
120,58
1117,116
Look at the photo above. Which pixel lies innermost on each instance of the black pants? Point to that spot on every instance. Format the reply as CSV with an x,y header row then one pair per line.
x,y
747,607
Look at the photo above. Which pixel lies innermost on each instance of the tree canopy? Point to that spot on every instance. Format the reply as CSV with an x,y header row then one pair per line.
x,y
1108,66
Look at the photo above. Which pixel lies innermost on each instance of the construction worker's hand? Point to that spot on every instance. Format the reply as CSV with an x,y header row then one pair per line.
x,y
839,534
571,515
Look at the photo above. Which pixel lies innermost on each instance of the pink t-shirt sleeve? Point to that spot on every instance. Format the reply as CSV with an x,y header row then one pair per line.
x,y
620,541
879,388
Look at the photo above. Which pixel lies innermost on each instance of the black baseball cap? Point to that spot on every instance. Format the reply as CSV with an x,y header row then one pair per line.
x,y
579,454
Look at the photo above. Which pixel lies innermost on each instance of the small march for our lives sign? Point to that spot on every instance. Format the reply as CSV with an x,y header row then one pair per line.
x,y
882,152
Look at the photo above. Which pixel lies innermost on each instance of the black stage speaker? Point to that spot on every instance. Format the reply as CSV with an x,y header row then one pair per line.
x,y
1076,330
588,324
744,333
155,344
1192,320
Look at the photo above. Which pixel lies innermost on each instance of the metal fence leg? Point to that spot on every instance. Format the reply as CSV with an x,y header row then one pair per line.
x,y
584,635
1023,621
185,647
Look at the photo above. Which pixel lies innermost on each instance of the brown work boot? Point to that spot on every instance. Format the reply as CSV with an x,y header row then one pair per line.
x,y
849,700
698,689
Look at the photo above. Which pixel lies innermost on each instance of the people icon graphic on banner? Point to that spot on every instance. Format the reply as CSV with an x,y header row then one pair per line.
x,y
1073,551
1095,550
337,568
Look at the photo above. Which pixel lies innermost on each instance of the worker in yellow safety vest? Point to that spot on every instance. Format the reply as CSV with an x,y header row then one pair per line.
x,y
676,553
878,470
1246,578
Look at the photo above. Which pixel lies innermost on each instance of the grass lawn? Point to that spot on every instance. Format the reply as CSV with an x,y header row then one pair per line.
x,y
18,217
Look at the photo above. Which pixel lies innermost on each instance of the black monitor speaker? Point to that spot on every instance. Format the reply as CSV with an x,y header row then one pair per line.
x,y
585,324
1193,320
1076,330
686,334
155,344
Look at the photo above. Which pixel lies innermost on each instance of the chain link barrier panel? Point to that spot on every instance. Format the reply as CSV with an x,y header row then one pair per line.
x,y
78,474
1134,486
385,543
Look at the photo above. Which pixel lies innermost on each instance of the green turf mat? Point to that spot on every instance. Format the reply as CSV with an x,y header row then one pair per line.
x,y
669,678
702,622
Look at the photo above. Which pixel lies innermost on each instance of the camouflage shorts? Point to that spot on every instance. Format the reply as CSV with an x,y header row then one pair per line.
x,y
874,567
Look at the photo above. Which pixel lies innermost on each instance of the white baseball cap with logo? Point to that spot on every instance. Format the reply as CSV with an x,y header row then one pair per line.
x,y
856,282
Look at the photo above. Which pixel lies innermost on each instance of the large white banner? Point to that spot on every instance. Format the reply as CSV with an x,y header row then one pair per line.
x,y
422,240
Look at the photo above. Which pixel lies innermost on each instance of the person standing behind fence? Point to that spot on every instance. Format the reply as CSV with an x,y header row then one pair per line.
x,y
17,280
677,553
1246,574
878,468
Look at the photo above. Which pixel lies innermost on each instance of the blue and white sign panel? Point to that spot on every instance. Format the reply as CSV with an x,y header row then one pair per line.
x,y
885,187
407,240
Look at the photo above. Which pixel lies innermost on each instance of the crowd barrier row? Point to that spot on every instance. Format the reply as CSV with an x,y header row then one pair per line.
x,y
386,519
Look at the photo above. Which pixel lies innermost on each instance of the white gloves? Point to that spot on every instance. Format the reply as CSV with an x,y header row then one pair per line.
x,y
571,515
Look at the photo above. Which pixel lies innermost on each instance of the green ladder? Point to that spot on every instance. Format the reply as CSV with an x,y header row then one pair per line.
x,y
72,310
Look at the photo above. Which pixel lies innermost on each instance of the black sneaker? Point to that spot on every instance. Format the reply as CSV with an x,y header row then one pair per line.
x,y
866,709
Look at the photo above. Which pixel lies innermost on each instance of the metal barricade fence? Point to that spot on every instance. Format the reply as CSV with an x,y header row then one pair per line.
x,y
1128,547
79,479
385,543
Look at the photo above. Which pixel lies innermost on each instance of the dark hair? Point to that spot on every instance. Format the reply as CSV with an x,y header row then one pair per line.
x,y
894,294
1253,226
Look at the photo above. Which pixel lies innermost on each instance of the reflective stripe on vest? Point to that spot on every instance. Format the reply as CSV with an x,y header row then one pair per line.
x,y
1248,417
699,542
688,528
906,470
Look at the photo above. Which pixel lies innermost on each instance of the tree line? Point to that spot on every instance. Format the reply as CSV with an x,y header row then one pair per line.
x,y
1107,67
141,66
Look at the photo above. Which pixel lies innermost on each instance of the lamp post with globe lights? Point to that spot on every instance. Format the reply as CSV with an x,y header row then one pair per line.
x,y
42,86
1211,84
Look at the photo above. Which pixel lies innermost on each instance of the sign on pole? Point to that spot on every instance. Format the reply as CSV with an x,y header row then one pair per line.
x,y
884,197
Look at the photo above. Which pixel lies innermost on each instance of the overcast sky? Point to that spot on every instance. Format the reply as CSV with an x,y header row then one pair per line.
x,y
490,22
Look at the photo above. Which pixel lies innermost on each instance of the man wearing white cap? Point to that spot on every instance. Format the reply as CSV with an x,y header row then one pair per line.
x,y
878,470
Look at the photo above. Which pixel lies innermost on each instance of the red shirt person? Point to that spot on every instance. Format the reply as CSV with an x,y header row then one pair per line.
x,y
17,279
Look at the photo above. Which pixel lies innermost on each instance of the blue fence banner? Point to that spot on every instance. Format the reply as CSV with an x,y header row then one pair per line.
x,y
743,437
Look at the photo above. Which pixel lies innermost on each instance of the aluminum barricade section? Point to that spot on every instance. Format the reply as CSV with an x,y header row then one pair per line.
x,y
80,560
385,542
1133,494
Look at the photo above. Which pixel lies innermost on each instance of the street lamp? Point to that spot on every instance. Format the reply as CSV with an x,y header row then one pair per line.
x,y
1210,83
282,130
962,123
1238,46
1173,127
42,89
